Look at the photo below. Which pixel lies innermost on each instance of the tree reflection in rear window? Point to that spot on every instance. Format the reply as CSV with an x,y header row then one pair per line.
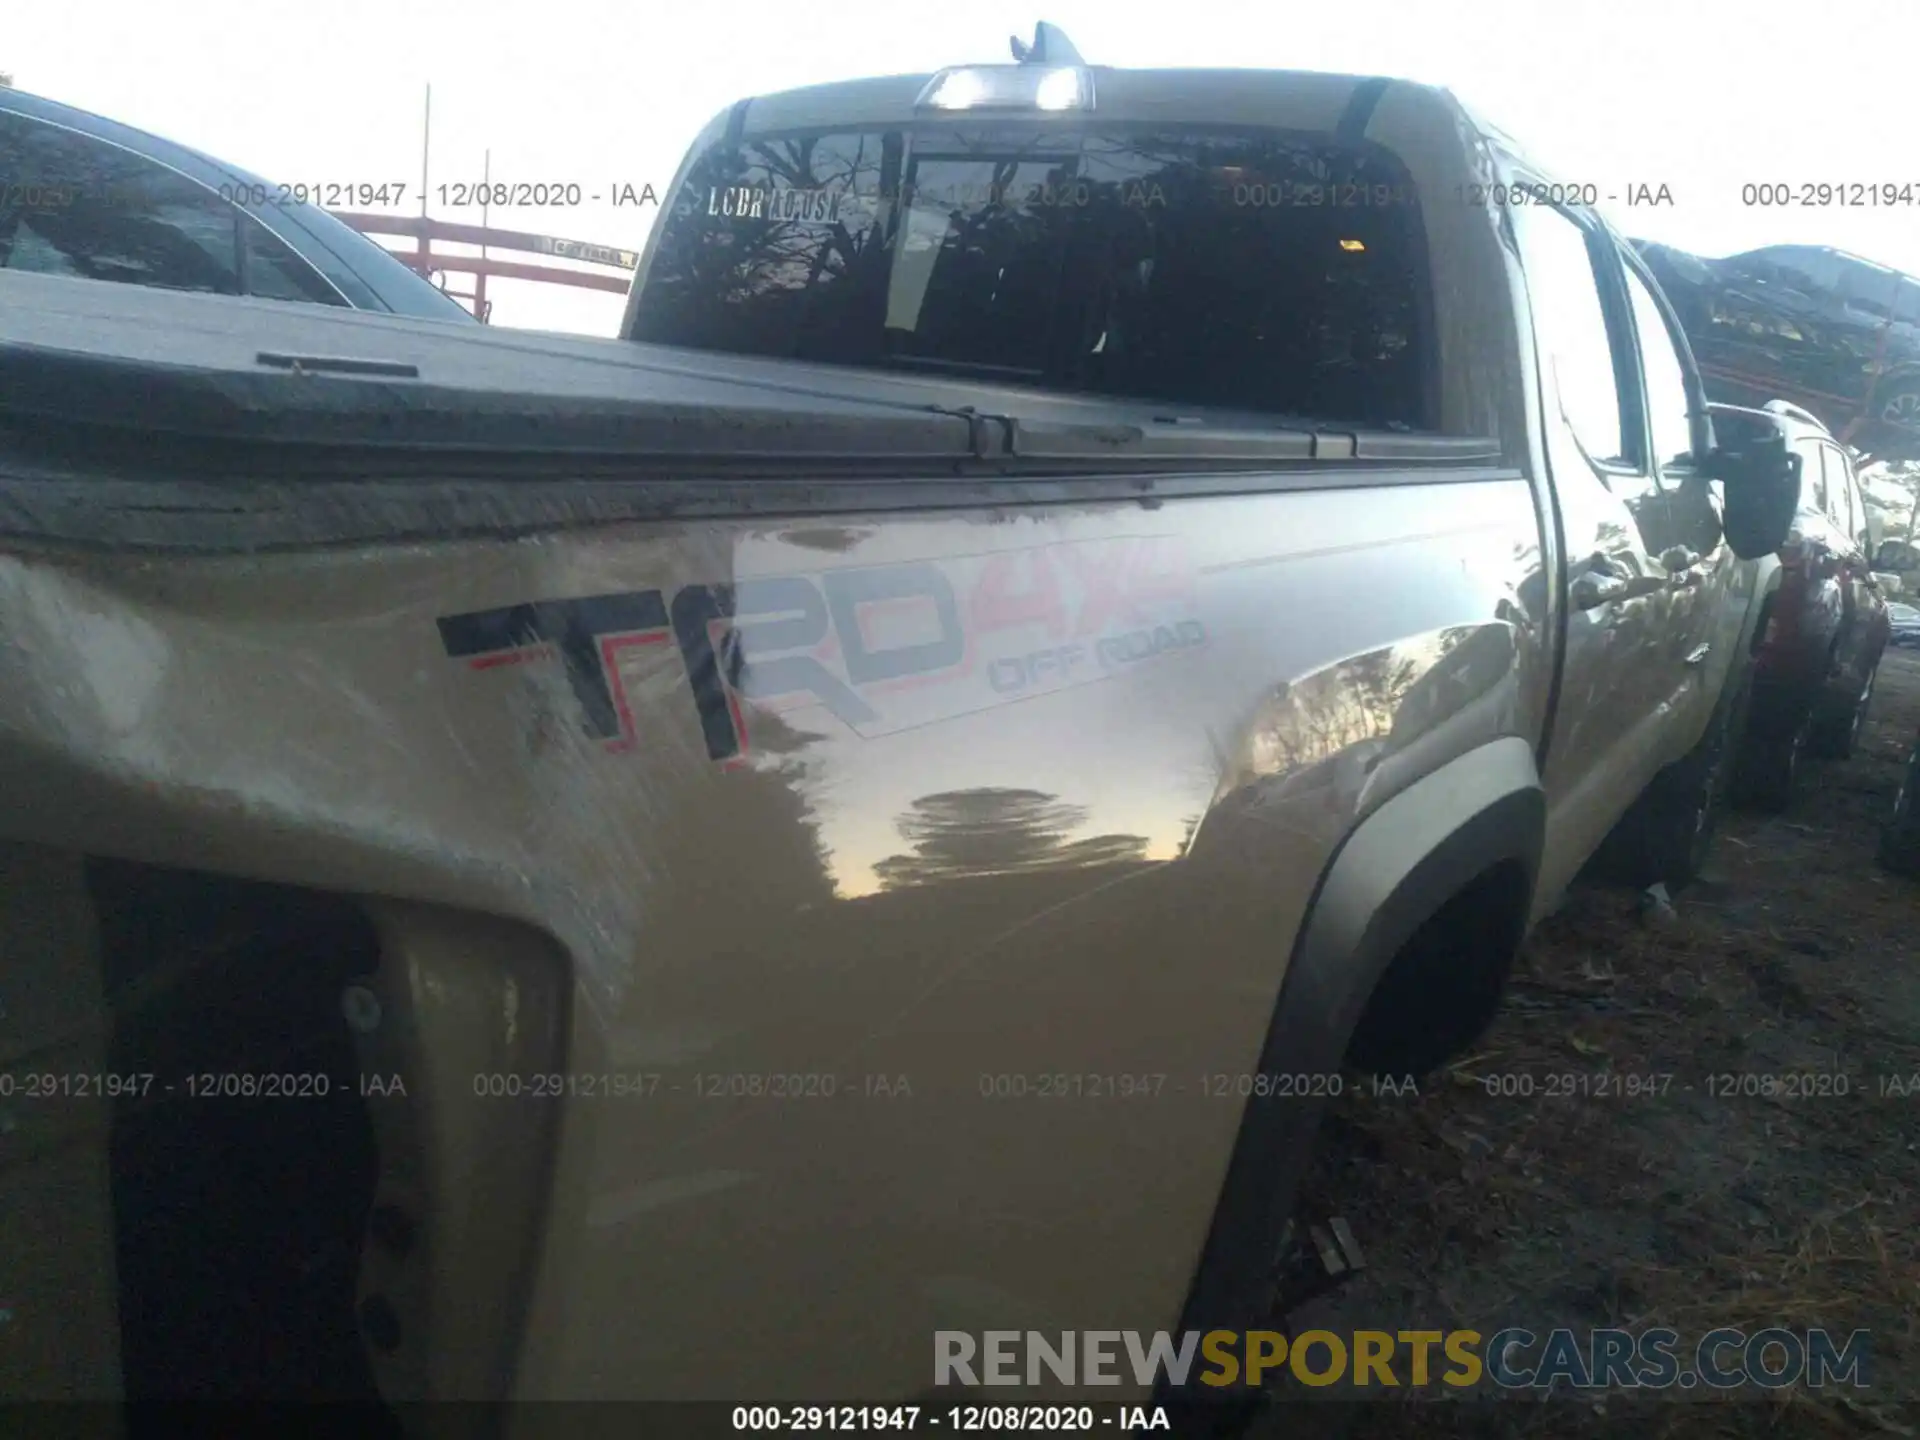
x,y
1252,270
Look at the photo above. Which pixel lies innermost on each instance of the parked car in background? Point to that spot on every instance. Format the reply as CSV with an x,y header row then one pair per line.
x,y
1831,332
1904,625
1824,626
1900,556
86,196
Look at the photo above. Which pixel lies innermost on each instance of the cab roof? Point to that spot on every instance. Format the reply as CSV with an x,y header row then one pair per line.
x,y
1302,99
1308,100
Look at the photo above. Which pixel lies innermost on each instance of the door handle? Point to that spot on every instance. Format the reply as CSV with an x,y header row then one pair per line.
x,y
1600,579
1683,567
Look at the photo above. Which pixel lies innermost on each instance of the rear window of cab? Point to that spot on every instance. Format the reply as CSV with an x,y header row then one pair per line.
x,y
1247,269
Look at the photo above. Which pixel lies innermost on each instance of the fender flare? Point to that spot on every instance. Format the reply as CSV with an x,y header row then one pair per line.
x,y
1391,874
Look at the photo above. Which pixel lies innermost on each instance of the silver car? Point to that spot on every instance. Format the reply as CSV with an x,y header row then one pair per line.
x,y
1906,624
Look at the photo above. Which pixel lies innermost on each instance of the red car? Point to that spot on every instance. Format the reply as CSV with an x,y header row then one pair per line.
x,y
1824,627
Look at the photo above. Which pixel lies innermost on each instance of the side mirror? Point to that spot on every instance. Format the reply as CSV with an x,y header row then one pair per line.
x,y
1762,478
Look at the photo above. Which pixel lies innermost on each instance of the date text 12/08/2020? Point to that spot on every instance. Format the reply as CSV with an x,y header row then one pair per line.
x,y
544,194
1561,193
393,194
197,1085
963,1419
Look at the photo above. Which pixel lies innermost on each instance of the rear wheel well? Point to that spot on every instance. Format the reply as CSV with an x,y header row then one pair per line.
x,y
1443,985
1401,889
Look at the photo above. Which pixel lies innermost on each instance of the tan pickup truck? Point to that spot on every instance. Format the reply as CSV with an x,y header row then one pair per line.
x,y
678,867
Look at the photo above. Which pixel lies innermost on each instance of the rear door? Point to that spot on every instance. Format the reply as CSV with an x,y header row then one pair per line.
x,y
1609,734
1713,587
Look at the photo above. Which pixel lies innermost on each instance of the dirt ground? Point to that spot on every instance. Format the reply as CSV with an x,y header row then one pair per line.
x,y
1687,1206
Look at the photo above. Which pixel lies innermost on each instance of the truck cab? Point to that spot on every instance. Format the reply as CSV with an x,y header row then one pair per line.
x,y
1251,249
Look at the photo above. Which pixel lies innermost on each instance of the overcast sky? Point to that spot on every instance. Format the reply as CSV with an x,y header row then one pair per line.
x,y
1701,97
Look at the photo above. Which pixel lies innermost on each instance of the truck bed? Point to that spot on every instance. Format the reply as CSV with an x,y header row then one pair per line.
x,y
376,426
959,784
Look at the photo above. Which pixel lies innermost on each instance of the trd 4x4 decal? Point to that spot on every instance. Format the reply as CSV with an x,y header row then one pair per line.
x,y
882,648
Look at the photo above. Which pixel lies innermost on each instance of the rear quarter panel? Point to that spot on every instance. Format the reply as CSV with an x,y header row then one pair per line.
x,y
935,874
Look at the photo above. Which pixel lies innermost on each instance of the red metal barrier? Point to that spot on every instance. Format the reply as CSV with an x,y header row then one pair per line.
x,y
425,260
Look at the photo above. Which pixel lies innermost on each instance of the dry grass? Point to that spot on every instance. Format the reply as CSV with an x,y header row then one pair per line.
x,y
1680,1207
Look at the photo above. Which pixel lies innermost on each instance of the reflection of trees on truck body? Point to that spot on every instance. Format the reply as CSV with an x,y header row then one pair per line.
x,y
995,831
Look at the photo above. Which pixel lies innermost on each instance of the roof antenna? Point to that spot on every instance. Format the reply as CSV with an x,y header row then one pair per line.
x,y
1050,47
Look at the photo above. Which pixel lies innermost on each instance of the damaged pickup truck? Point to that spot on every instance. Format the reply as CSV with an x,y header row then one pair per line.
x,y
880,801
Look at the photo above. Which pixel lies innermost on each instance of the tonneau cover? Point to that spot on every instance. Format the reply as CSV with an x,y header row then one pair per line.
x,y
140,417
226,367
